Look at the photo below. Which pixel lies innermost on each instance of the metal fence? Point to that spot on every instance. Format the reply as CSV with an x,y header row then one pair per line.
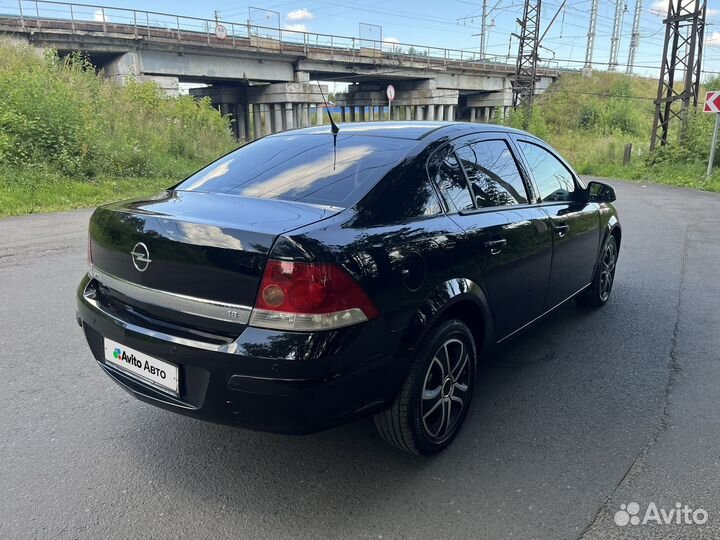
x,y
81,18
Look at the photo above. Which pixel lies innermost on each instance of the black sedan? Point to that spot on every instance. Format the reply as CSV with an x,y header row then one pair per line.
x,y
311,278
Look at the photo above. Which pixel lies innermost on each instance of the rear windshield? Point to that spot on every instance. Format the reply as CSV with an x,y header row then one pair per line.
x,y
303,168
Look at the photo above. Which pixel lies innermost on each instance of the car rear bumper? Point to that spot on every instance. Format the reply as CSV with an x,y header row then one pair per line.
x,y
266,380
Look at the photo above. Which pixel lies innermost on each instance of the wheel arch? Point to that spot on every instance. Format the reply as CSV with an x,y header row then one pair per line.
x,y
458,298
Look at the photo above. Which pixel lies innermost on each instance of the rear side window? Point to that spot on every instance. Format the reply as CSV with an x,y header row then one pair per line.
x,y
554,181
303,168
450,179
493,174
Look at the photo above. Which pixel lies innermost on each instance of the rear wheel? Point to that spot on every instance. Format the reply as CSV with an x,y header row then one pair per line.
x,y
434,400
599,291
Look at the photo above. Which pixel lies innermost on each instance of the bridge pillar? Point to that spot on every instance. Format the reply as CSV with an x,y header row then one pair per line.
x,y
232,102
277,117
292,98
257,121
451,112
288,122
472,114
414,99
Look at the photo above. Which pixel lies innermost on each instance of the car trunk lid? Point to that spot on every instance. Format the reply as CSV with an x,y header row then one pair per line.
x,y
199,245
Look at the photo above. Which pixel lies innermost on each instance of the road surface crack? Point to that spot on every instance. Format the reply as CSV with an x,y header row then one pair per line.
x,y
674,370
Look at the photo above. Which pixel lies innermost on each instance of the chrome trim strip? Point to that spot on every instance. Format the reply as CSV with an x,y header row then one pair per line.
x,y
511,334
230,348
190,305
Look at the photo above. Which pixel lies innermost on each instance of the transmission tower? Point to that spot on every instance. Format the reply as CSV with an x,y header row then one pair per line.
x,y
679,80
527,59
620,8
591,35
634,37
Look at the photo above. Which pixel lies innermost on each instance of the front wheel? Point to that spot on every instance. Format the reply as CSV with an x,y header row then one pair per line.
x,y
435,398
599,291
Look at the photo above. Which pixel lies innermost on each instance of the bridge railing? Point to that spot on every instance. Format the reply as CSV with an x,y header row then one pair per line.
x,y
83,18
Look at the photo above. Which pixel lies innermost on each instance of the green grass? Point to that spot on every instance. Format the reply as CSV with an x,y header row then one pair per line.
x,y
66,194
70,138
590,120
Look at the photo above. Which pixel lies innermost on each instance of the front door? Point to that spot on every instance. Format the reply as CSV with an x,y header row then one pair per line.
x,y
575,223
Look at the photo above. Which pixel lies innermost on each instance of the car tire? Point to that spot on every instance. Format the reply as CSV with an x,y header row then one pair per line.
x,y
599,291
436,395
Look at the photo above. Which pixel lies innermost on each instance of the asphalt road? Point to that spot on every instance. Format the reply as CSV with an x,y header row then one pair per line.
x,y
587,411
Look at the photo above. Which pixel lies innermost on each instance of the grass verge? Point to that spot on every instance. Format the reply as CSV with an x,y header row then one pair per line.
x,y
17,198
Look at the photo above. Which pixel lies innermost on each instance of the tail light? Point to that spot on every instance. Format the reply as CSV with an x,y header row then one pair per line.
x,y
309,296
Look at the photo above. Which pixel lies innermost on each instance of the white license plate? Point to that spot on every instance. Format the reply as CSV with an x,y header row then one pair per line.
x,y
141,366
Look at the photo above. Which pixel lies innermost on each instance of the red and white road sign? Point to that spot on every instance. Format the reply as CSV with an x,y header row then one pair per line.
x,y
390,92
712,102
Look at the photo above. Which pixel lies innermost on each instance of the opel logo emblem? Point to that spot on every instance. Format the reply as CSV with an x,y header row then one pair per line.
x,y
140,257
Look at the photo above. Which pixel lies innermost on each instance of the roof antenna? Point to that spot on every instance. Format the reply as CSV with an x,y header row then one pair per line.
x,y
333,126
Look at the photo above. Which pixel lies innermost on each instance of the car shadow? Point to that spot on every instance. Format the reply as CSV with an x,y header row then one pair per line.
x,y
342,470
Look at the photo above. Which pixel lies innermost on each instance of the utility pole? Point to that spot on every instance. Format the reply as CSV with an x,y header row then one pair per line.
x,y
483,34
523,85
620,8
634,37
591,35
682,57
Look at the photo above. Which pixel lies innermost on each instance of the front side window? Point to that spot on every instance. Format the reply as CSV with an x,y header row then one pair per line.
x,y
493,174
554,181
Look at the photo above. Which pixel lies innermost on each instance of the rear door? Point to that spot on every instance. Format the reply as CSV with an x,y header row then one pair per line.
x,y
575,222
507,241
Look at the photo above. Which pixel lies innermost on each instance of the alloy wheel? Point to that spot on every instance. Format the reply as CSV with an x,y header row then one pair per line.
x,y
446,389
607,270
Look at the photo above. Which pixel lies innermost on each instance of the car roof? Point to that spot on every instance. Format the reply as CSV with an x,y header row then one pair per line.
x,y
400,130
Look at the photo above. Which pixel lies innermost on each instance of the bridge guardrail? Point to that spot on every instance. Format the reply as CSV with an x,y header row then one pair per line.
x,y
77,18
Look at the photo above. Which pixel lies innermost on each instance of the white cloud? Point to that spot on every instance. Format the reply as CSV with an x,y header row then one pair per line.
x,y
391,43
303,14
712,12
296,27
713,39
99,17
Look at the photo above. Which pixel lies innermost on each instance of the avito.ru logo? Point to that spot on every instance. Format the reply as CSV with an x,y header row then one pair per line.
x,y
629,514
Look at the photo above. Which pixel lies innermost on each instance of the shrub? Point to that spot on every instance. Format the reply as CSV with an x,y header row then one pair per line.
x,y
59,113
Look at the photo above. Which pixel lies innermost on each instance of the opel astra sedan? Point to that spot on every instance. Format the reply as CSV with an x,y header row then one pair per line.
x,y
309,278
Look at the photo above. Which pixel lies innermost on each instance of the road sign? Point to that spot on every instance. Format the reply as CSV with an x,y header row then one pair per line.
x,y
712,102
220,31
390,92
712,105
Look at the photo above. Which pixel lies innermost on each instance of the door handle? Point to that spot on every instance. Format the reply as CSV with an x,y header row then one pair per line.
x,y
496,246
561,229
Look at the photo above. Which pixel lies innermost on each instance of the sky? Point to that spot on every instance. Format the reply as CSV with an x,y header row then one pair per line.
x,y
455,24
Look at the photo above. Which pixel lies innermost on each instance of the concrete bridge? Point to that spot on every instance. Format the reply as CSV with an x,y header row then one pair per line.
x,y
262,77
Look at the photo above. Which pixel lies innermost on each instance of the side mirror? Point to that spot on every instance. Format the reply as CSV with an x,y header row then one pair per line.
x,y
600,193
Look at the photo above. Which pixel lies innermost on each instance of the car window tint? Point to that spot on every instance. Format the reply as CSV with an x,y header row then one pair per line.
x,y
493,174
450,179
554,181
303,168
